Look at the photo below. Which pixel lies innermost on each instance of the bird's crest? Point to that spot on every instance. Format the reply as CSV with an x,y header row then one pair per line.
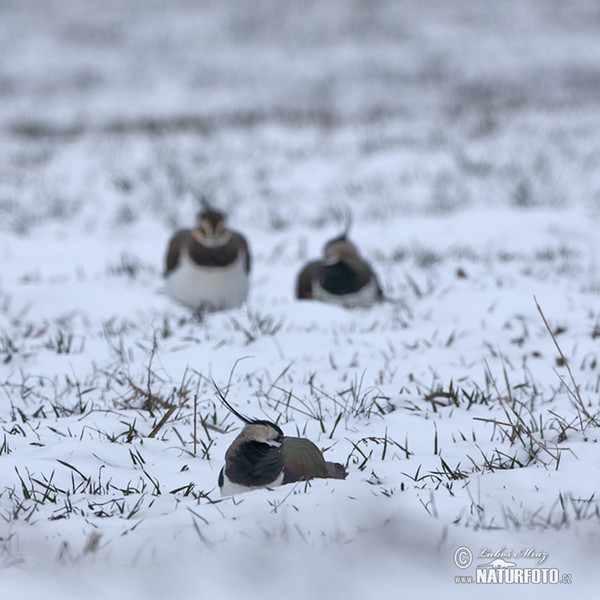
x,y
348,218
244,418
344,216
202,199
230,408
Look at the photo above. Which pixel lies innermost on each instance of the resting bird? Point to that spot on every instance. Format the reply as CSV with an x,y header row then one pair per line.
x,y
261,456
341,277
208,267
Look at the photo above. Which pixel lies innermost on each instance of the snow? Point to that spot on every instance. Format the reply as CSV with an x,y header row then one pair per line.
x,y
463,137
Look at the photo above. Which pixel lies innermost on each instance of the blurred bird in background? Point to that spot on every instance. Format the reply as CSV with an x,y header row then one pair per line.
x,y
208,267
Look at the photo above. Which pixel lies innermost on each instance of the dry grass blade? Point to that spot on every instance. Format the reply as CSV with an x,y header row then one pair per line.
x,y
162,422
574,393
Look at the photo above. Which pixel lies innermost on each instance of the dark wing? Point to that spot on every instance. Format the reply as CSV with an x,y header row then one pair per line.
x,y
176,245
243,245
305,279
302,460
336,470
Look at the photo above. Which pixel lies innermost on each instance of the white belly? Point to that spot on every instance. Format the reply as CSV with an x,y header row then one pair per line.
x,y
231,489
366,296
214,288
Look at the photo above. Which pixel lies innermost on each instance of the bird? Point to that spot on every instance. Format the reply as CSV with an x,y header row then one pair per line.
x,y
341,277
208,267
261,456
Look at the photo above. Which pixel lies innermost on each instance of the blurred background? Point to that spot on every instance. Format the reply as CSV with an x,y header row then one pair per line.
x,y
395,107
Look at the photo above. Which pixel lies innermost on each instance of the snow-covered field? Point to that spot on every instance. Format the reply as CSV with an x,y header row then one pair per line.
x,y
464,136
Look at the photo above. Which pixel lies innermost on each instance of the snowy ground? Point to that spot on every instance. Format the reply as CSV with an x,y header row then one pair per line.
x,y
464,137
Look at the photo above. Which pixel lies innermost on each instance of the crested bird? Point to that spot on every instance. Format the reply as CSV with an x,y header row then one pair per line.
x,y
341,277
208,267
261,456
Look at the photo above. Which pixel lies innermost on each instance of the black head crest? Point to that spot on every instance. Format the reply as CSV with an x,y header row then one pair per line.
x,y
348,217
343,215
202,199
242,417
229,407
207,209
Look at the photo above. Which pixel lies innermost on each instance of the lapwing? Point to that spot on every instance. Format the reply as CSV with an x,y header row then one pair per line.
x,y
261,456
208,267
341,277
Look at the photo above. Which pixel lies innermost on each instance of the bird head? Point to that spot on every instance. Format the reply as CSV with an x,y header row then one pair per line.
x,y
339,249
264,432
210,228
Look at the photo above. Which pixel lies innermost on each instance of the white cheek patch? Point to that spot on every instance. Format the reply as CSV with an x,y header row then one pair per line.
x,y
273,443
261,437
